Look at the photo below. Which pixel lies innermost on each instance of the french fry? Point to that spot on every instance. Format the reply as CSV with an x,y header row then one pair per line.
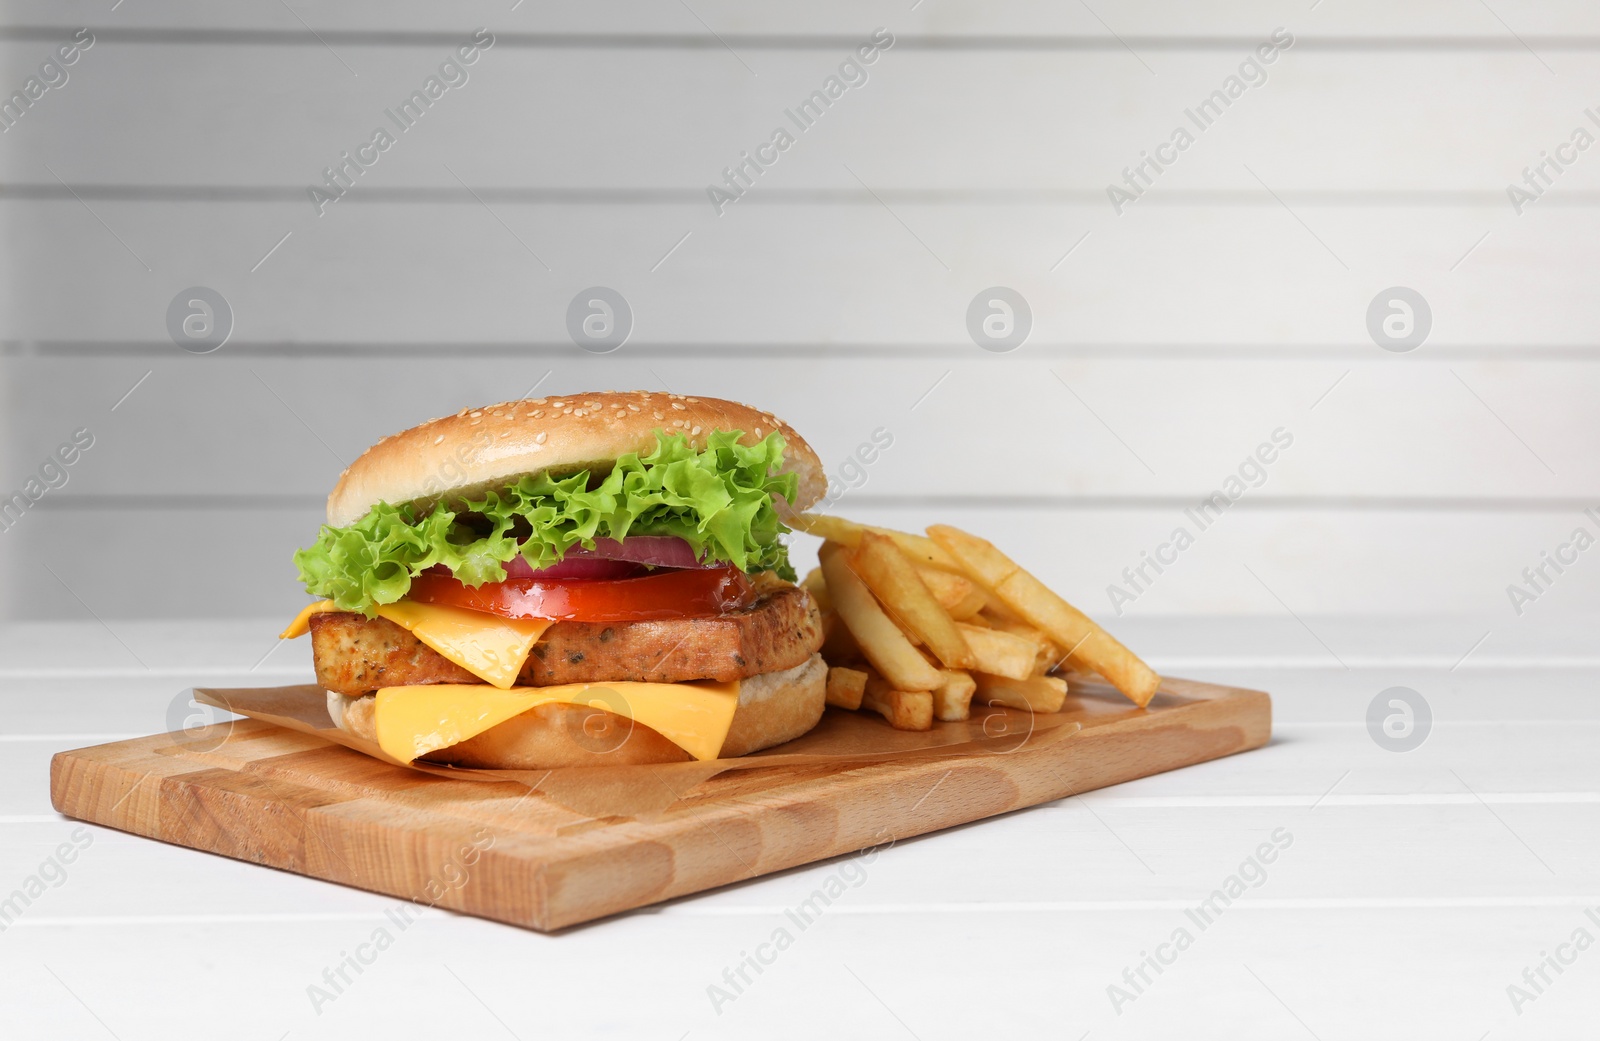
x,y
845,687
1001,653
904,709
959,596
881,641
813,583
996,611
970,605
952,698
1034,602
1035,694
1006,623
919,548
1049,656
894,580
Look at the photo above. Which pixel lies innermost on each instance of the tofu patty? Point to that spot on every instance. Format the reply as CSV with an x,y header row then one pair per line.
x,y
355,654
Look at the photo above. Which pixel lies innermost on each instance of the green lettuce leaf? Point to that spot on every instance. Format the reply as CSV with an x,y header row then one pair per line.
x,y
718,500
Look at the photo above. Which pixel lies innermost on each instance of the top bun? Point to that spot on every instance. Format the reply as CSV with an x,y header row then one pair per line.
x,y
489,447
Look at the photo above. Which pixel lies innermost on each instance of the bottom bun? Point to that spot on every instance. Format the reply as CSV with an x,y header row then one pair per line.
x,y
774,707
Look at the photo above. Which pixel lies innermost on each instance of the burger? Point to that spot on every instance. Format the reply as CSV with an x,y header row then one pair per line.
x,y
567,581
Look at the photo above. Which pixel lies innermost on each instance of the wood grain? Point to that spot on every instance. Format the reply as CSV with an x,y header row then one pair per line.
x,y
291,801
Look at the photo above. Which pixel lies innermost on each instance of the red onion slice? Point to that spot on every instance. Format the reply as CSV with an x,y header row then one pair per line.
x,y
613,559
655,550
575,567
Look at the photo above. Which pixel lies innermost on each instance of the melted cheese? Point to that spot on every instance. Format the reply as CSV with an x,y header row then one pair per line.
x,y
302,621
488,646
413,721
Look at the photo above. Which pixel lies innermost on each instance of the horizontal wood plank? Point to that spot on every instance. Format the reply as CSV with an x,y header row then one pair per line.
x,y
1021,125
444,273
1458,965
1025,18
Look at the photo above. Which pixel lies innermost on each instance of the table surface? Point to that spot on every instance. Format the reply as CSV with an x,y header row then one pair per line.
x,y
1404,894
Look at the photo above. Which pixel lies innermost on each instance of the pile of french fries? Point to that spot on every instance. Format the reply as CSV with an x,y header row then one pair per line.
x,y
919,626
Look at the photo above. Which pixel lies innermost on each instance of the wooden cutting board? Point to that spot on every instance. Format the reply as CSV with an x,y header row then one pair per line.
x,y
294,801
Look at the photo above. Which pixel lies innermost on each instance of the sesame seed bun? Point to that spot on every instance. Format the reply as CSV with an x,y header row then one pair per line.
x,y
477,449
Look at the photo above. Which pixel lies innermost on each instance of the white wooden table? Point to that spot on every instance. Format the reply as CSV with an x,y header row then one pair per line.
x,y
1415,890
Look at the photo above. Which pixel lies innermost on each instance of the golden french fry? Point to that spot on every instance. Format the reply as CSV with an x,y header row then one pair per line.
x,y
1026,596
1006,623
894,580
959,596
969,605
1001,653
952,699
1049,657
881,641
919,548
1035,693
814,584
904,709
947,588
996,611
845,687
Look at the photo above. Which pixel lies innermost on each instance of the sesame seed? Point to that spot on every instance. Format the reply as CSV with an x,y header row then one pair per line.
x,y
475,415
696,430
438,439
679,407
506,434
658,415
557,404
632,407
541,438
536,415
475,422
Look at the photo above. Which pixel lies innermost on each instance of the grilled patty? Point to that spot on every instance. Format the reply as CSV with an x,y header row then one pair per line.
x,y
355,654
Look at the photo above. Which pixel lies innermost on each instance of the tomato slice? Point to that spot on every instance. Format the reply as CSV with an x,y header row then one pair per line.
x,y
690,593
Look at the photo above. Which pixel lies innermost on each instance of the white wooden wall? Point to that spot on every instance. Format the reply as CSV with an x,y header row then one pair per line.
x,y
1168,341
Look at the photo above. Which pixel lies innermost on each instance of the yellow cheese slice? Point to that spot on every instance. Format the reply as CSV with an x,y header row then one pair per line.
x,y
488,646
413,721
302,621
